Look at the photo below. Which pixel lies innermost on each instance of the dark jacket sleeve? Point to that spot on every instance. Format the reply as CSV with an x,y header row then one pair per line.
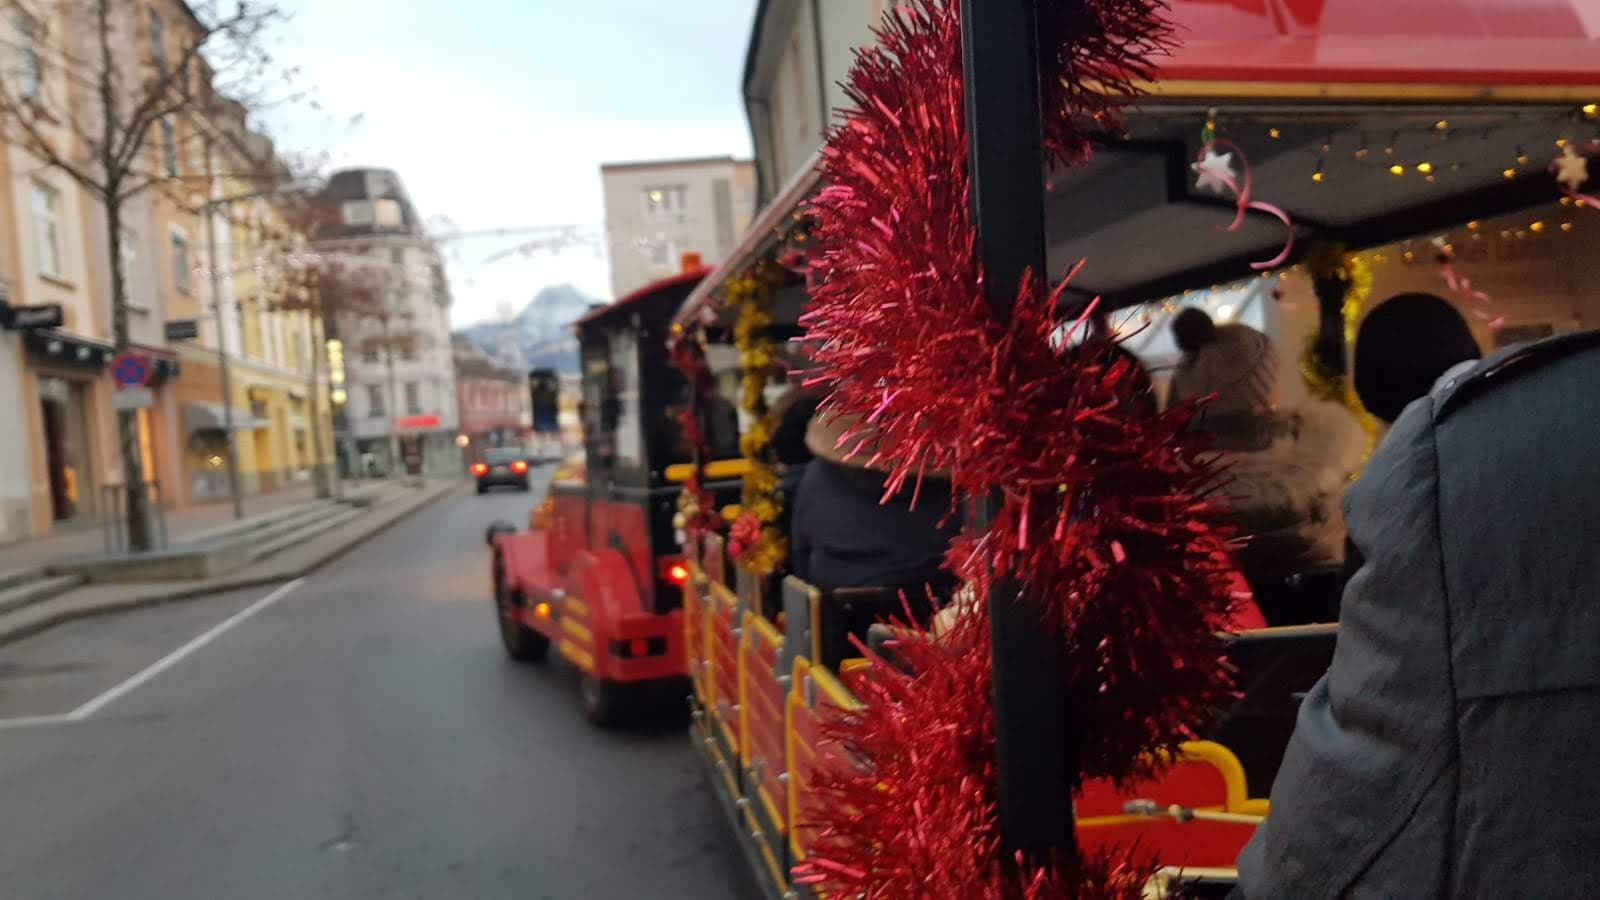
x,y
800,529
1374,741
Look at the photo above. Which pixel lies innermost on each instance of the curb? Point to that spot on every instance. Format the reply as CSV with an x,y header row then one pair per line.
x,y
113,607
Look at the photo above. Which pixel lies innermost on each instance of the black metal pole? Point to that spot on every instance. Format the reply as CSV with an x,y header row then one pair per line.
x,y
1001,51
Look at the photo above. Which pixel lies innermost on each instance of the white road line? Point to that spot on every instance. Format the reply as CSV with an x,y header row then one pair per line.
x,y
156,668
178,655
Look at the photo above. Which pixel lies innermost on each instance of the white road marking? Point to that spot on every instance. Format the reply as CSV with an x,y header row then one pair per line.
x,y
156,668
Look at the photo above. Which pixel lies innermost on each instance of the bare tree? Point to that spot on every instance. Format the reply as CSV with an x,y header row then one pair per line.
x,y
102,92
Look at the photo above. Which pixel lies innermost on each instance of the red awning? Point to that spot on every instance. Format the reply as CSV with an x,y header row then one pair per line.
x,y
1402,42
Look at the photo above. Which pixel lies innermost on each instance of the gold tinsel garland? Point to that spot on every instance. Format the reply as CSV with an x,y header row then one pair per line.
x,y
1323,383
761,546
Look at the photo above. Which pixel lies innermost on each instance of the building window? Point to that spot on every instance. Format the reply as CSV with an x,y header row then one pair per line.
x,y
169,148
357,213
370,356
131,283
158,41
30,67
413,399
397,256
374,401
386,214
666,203
180,262
47,229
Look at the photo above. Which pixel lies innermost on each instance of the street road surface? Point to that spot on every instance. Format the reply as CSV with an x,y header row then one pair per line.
x,y
358,736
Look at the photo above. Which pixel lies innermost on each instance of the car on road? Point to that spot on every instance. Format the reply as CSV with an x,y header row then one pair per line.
x,y
502,467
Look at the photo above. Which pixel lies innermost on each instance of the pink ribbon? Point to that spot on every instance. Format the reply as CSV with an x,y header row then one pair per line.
x,y
1244,202
1460,284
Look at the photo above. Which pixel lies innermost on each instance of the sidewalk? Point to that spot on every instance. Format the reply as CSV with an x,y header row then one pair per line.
x,y
182,524
297,562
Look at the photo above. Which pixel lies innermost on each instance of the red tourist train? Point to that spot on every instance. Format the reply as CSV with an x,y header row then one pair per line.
x,y
1366,124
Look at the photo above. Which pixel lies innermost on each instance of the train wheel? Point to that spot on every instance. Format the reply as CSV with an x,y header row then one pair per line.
x,y
521,643
606,703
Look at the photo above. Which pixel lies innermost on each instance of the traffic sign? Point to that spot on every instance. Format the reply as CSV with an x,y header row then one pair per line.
x,y
133,398
131,369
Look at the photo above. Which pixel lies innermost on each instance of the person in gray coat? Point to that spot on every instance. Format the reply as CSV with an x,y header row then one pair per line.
x,y
1449,750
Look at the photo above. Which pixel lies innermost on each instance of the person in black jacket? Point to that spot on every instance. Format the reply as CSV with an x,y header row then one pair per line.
x,y
844,533
1448,750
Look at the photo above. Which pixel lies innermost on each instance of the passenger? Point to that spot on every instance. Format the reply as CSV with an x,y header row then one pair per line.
x,y
721,423
845,534
794,412
1287,469
1405,345
1447,751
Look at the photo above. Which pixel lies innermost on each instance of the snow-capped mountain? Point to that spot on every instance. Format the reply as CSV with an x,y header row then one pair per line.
x,y
539,337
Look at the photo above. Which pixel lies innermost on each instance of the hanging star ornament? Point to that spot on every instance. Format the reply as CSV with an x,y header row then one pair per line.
x,y
1216,173
1573,168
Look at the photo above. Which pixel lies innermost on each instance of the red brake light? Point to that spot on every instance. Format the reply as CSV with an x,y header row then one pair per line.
x,y
519,467
638,647
678,573
480,469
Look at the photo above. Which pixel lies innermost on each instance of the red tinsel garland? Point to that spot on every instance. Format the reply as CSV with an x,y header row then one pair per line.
x,y
1106,518
695,504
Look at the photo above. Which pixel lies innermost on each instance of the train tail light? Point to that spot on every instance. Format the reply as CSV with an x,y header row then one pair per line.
x,y
638,647
675,571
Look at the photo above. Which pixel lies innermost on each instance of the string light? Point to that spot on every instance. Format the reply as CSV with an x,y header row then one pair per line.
x,y
1473,225
1441,125
1397,169
1566,226
1318,175
1509,174
1274,133
1522,156
1393,139
1537,227
1425,168
1361,151
1591,109
1561,144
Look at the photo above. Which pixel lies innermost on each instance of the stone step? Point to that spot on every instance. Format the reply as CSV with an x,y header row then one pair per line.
x,y
37,590
256,523
285,539
11,579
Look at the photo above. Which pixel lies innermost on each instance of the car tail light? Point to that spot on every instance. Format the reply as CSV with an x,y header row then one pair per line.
x,y
519,467
480,469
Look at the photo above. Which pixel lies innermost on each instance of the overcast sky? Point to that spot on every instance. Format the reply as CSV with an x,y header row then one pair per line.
x,y
498,113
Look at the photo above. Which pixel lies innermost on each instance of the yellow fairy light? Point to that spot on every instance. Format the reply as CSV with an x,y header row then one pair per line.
x,y
1566,226
1537,227
1566,201
1441,125
1275,133
1410,256
1509,174
1397,169
1591,109
1561,144
1317,177
1473,225
1425,168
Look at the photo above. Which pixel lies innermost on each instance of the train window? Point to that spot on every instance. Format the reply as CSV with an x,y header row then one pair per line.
x,y
628,429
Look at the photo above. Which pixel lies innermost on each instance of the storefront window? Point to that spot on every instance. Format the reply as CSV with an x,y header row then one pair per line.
x,y
63,414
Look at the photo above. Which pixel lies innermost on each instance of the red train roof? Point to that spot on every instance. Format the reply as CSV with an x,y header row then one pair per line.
x,y
687,277
1415,43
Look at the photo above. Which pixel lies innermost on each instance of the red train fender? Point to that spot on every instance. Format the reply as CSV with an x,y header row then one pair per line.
x,y
525,559
604,582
